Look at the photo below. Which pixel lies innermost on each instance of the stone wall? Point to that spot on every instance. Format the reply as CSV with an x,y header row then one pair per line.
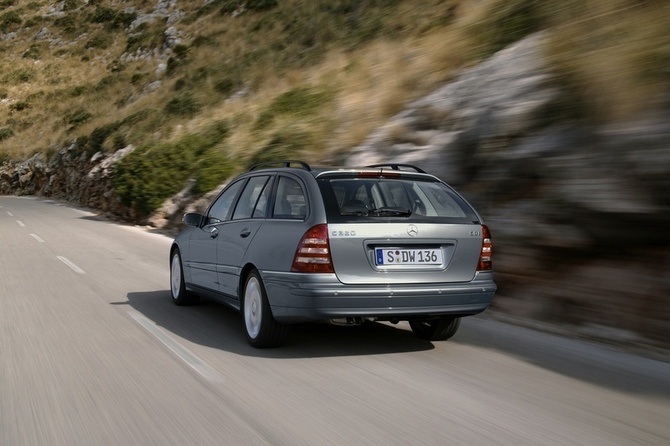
x,y
71,175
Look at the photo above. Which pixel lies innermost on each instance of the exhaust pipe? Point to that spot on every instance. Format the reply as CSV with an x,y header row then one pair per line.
x,y
348,321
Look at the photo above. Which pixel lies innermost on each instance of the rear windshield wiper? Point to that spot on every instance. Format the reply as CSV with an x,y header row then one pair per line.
x,y
390,212
357,213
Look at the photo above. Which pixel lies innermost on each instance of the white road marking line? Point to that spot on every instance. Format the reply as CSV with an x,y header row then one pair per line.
x,y
72,266
197,364
38,238
21,223
10,214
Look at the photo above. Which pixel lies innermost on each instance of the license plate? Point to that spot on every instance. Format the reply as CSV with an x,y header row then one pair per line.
x,y
387,256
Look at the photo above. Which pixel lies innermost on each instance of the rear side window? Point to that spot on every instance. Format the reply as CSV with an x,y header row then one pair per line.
x,y
290,199
253,199
350,199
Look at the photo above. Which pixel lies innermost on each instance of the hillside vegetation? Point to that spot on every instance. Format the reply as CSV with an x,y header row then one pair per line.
x,y
206,88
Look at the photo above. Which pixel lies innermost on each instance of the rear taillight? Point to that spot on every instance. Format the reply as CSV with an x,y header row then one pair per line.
x,y
313,253
487,250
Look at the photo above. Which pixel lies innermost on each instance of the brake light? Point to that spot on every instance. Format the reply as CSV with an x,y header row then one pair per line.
x,y
485,263
313,253
382,174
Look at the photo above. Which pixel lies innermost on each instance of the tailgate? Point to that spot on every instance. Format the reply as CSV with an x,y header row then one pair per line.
x,y
397,253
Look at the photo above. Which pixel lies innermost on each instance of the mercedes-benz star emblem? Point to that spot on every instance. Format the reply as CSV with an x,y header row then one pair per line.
x,y
412,231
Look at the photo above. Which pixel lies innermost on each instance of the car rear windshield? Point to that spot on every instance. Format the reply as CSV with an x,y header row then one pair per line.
x,y
357,199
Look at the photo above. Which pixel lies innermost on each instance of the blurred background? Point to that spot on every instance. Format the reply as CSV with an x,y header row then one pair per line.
x,y
552,118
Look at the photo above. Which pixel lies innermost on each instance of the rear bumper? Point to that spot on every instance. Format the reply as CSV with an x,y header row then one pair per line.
x,y
296,297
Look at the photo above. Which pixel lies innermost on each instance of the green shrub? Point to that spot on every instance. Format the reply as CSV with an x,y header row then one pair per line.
x,y
124,19
137,117
145,36
288,143
71,24
32,53
300,102
107,81
82,141
80,90
229,6
99,135
194,78
116,66
37,96
226,85
212,168
103,14
179,58
136,78
6,133
4,157
180,84
70,5
182,105
19,106
19,76
78,117
118,142
507,22
217,132
181,51
260,5
112,18
173,63
10,21
34,21
149,175
101,41
201,40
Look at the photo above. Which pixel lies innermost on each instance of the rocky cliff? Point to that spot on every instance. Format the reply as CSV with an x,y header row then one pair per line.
x,y
579,213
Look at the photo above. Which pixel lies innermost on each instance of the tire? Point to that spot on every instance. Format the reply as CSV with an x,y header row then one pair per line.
x,y
177,287
438,329
262,329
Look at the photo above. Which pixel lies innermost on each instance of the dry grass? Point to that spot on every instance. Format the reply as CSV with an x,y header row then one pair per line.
x,y
613,55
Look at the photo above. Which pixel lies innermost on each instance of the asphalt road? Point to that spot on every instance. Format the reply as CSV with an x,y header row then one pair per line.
x,y
92,352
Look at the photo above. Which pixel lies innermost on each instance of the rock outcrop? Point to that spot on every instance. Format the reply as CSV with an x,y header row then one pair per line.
x,y
70,175
579,214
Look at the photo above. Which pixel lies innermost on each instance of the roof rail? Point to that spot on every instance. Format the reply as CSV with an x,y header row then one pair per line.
x,y
286,163
397,166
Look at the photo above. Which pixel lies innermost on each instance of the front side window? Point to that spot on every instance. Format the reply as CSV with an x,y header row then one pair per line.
x,y
219,210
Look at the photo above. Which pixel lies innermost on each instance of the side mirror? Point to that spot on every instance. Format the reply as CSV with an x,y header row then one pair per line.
x,y
193,219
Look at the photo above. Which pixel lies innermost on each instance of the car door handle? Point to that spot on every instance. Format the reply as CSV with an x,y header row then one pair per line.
x,y
214,233
245,233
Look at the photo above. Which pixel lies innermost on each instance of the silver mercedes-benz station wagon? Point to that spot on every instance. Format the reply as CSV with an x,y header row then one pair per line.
x,y
292,244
